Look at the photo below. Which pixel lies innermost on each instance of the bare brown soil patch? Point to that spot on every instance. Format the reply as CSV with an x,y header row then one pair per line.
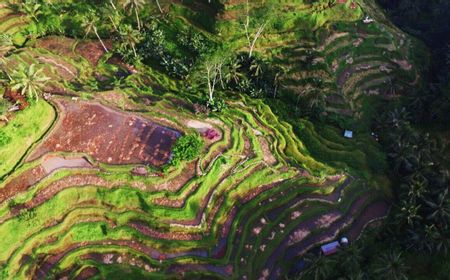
x,y
92,51
229,15
22,182
15,97
107,135
268,156
147,231
59,45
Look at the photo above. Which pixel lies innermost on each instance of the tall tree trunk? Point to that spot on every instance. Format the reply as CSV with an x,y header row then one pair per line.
x,y
112,4
210,87
137,18
134,50
255,38
113,23
100,39
159,6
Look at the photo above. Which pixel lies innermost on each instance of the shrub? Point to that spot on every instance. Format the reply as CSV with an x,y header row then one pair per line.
x,y
19,39
216,105
27,215
186,148
4,138
195,42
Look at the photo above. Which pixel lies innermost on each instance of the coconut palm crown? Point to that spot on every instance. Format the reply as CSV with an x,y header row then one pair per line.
x,y
29,81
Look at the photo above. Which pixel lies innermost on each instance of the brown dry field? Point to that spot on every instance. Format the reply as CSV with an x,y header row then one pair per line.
x,y
107,135
58,45
92,51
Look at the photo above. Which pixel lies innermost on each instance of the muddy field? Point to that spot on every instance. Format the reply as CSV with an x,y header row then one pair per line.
x,y
34,175
107,135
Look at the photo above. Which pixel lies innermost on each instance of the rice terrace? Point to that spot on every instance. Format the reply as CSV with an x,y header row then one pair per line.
x,y
215,139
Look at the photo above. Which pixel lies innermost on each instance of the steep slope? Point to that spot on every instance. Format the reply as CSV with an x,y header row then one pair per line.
x,y
345,53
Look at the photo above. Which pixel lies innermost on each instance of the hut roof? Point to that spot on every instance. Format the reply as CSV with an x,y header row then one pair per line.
x,y
330,248
348,134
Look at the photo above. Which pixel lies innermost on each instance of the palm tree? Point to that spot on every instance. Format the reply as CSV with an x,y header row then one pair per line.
x,y
31,8
439,208
437,239
351,258
115,16
256,70
390,266
233,74
316,99
131,37
409,212
134,5
401,152
89,25
29,81
418,100
319,267
415,188
394,119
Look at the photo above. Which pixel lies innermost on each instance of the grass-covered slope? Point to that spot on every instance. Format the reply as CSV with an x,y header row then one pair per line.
x,y
22,132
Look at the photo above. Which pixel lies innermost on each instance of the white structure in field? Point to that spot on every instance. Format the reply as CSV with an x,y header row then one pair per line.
x,y
348,134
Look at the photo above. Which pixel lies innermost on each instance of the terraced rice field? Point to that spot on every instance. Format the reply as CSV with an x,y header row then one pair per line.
x,y
351,62
236,208
254,200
